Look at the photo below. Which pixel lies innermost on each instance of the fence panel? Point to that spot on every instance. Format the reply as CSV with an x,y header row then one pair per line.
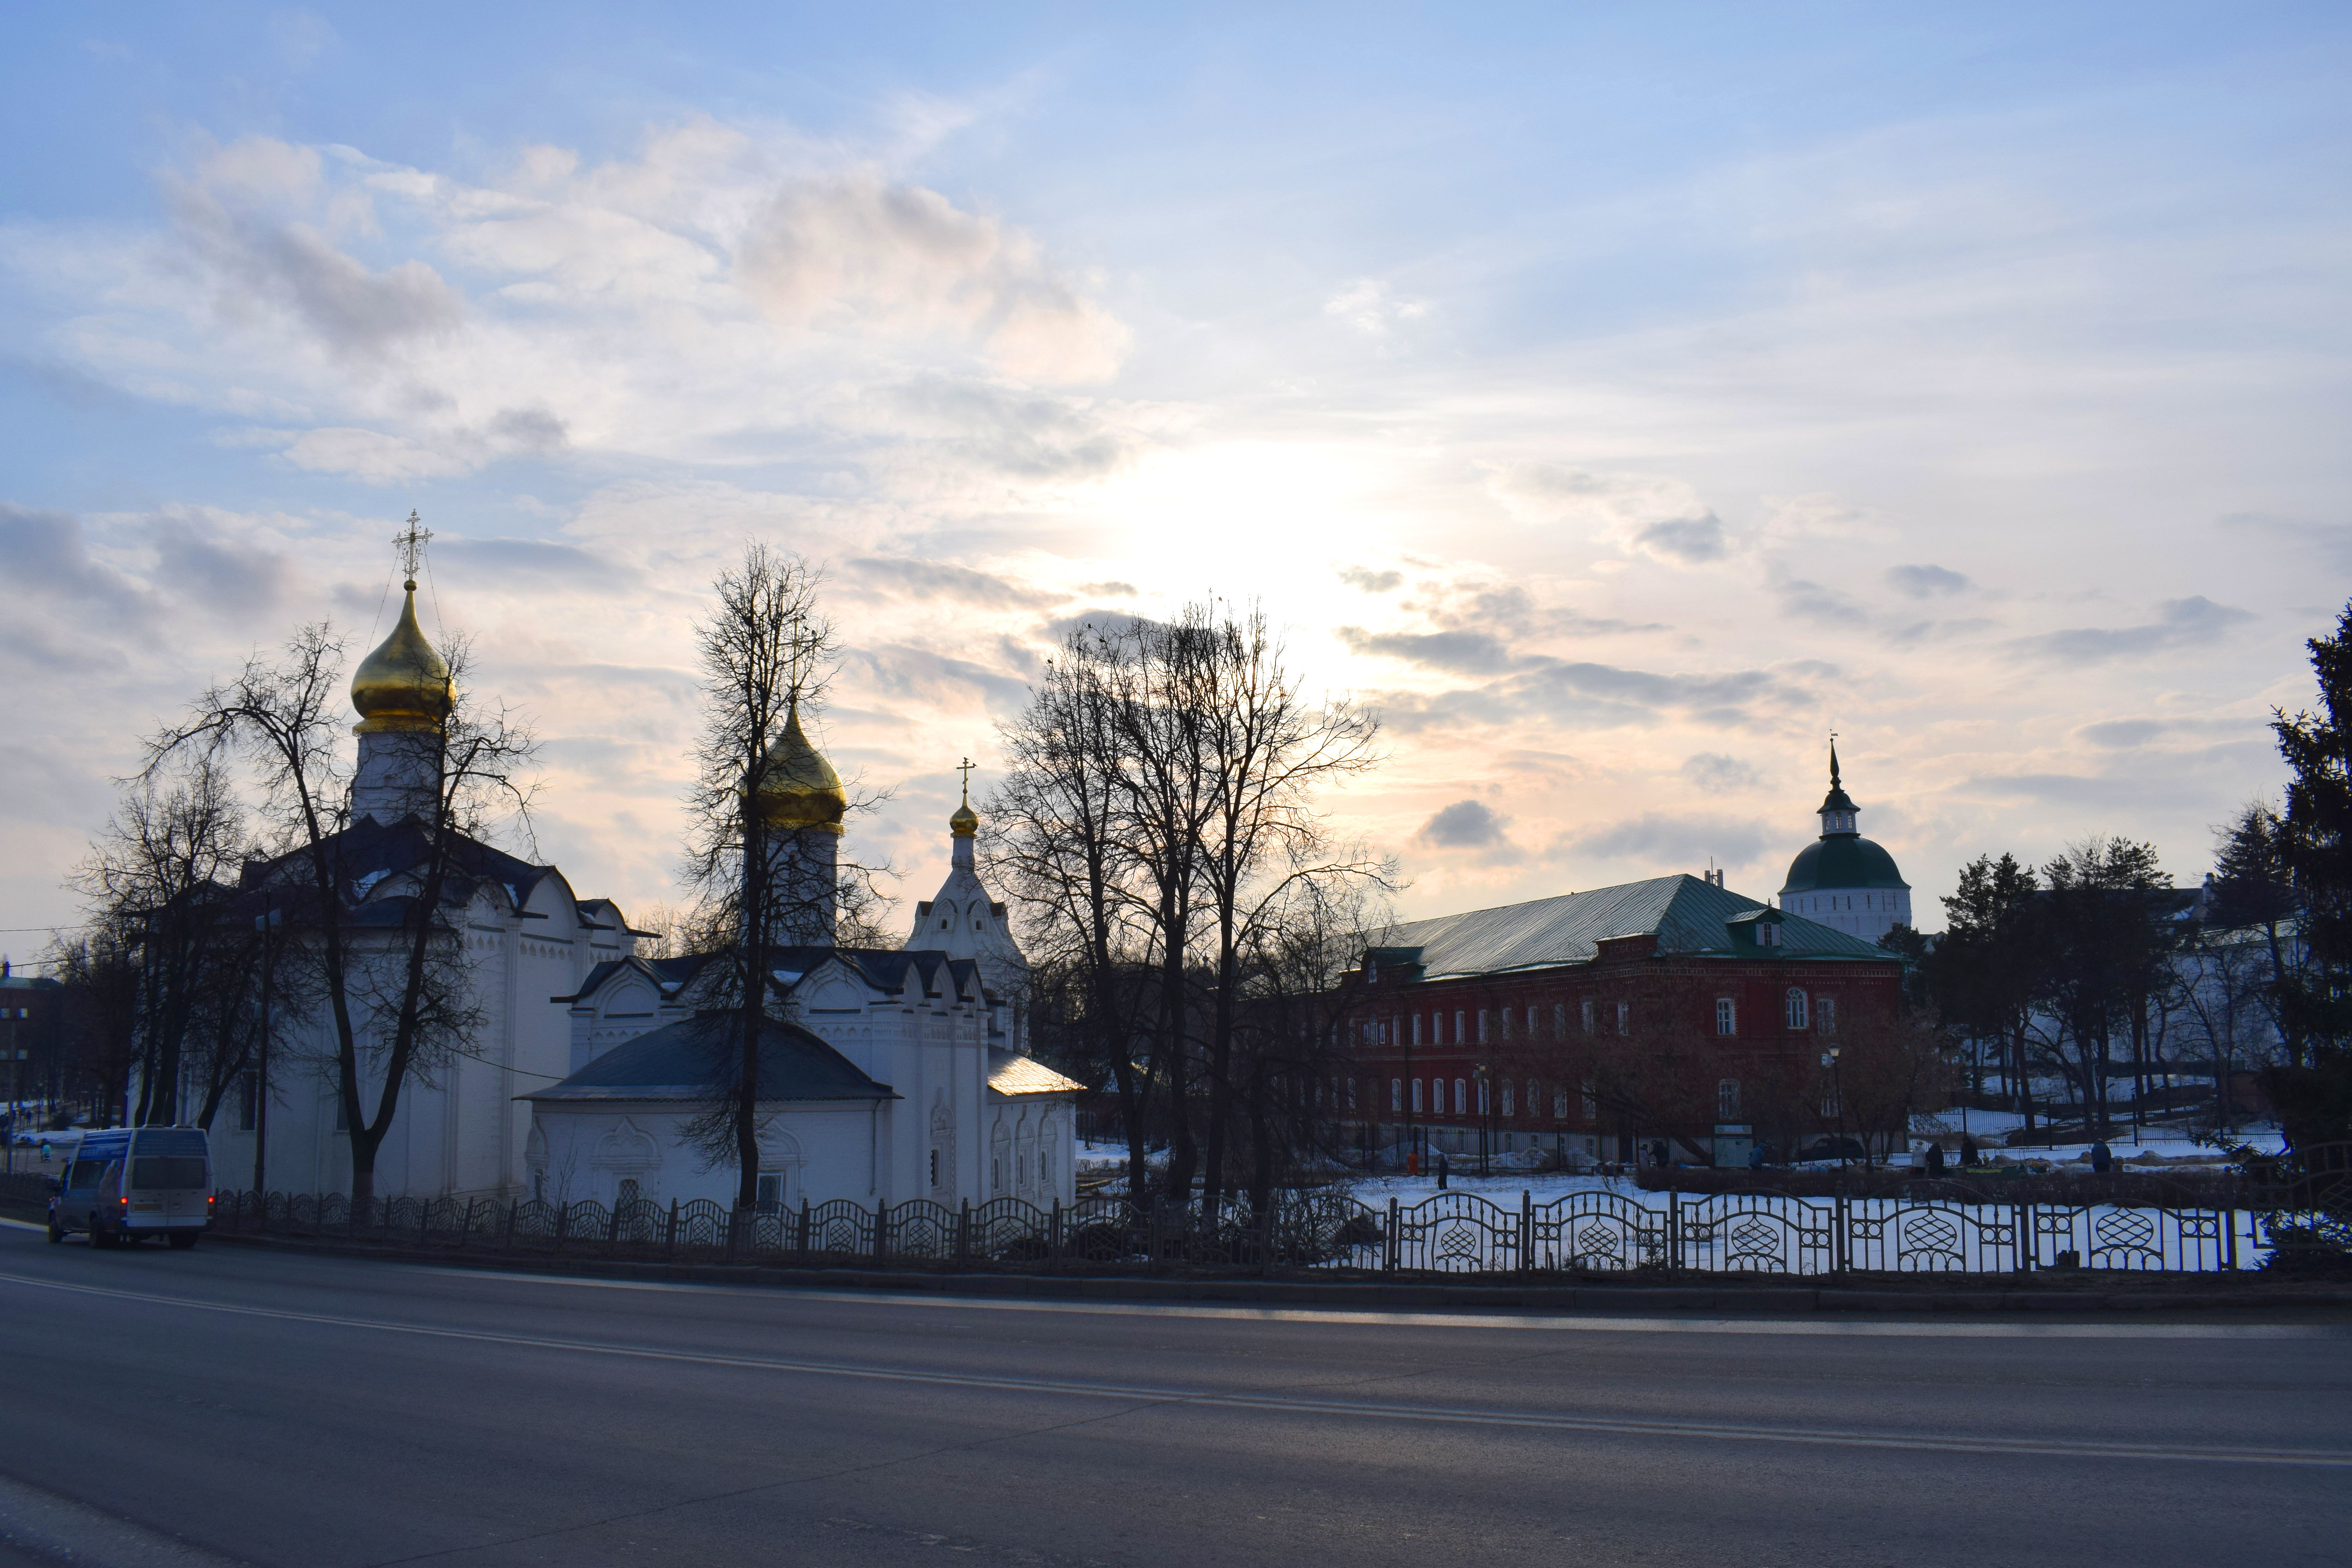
x,y
1737,1233
1458,1232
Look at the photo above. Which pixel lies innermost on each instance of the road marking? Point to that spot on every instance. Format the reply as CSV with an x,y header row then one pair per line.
x,y
1278,1404
1531,1318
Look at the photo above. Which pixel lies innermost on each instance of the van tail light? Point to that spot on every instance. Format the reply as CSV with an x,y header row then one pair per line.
x,y
125,1202
211,1198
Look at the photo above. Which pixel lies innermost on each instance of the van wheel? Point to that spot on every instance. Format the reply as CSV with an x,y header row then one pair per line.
x,y
55,1235
98,1235
183,1240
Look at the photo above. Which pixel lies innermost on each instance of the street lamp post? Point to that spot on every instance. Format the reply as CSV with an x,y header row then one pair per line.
x,y
264,923
1486,1119
1837,1098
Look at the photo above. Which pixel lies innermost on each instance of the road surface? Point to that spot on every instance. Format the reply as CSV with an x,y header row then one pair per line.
x,y
236,1406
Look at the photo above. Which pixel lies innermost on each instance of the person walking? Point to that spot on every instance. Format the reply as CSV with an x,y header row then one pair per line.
x,y
1443,1172
1968,1154
1935,1161
2102,1159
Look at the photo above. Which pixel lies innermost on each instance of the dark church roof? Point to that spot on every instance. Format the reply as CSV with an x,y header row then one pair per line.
x,y
1842,860
1686,914
683,1060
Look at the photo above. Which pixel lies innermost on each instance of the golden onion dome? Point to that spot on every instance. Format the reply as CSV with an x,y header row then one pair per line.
x,y
404,683
801,789
965,823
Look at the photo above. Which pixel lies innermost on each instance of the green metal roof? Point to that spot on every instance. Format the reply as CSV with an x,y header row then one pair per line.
x,y
1686,915
1842,860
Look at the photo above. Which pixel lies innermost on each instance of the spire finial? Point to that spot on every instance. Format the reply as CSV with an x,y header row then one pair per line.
x,y
1833,766
411,541
965,769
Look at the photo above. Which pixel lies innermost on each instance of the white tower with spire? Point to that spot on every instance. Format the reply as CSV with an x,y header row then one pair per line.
x,y
963,919
1842,879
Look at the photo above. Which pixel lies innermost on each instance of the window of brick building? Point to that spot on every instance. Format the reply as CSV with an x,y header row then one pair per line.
x,y
1482,1025
1796,1001
1506,1098
1461,1098
1726,1099
1825,1007
1588,1014
1396,1094
1727,1016
1416,1094
1624,1017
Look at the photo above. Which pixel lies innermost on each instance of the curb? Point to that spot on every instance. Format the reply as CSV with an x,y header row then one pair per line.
x,y
1751,1299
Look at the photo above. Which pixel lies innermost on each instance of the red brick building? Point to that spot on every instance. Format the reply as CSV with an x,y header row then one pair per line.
x,y
1593,1024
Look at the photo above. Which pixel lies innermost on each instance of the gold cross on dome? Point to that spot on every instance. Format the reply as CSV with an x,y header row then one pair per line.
x,y
966,771
411,541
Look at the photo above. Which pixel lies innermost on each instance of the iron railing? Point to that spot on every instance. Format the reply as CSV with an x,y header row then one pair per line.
x,y
1331,1232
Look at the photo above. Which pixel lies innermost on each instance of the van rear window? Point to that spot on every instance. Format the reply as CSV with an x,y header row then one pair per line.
x,y
170,1172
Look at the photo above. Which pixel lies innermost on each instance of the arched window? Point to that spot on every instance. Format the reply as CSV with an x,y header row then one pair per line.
x,y
1396,1094
1726,1099
1507,1098
1727,1016
1531,1103
1416,1094
1797,1011
1559,1102
1461,1098
1825,1008
1486,1097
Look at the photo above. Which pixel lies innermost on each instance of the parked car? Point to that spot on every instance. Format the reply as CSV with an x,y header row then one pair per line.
x,y
1834,1148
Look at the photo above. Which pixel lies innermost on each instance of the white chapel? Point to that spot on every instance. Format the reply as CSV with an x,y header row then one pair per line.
x,y
886,1074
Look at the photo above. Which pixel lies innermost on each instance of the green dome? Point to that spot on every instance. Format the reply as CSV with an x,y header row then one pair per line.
x,y
1842,860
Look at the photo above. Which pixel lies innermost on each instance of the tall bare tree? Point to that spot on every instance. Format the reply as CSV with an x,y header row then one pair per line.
x,y
397,1002
768,656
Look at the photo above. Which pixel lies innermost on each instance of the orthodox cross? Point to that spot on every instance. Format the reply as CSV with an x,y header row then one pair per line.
x,y
966,771
411,541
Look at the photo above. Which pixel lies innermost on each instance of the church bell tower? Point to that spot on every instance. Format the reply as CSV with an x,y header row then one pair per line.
x,y
799,802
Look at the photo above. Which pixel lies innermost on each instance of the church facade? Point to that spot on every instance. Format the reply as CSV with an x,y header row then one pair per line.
x,y
885,1074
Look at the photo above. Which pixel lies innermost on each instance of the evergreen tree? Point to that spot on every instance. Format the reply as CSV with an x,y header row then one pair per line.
x,y
2314,1099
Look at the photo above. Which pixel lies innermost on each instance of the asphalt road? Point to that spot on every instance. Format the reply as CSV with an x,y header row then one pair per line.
x,y
227,1404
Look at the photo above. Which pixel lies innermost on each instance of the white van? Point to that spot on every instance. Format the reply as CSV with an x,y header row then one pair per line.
x,y
128,1182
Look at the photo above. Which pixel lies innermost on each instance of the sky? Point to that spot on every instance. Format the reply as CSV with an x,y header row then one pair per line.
x,y
1616,400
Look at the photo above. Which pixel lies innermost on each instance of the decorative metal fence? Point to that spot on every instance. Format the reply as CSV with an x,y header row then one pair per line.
x,y
1331,1234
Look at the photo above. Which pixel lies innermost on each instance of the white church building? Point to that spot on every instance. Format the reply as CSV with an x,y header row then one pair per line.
x,y
885,1074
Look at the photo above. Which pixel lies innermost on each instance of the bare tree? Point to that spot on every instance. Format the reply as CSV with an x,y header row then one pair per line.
x,y
160,876
397,1001
1057,835
765,821
1266,855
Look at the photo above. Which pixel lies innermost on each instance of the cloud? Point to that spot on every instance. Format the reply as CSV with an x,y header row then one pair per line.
x,y
915,579
1665,842
1663,519
1720,774
1691,540
1128,589
2193,622
1461,653
1812,602
854,252
1464,825
1371,582
2121,734
227,576
45,555
1366,306
1923,581
228,211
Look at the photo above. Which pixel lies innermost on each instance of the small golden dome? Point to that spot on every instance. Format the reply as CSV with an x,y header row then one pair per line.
x,y
965,823
404,683
801,789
